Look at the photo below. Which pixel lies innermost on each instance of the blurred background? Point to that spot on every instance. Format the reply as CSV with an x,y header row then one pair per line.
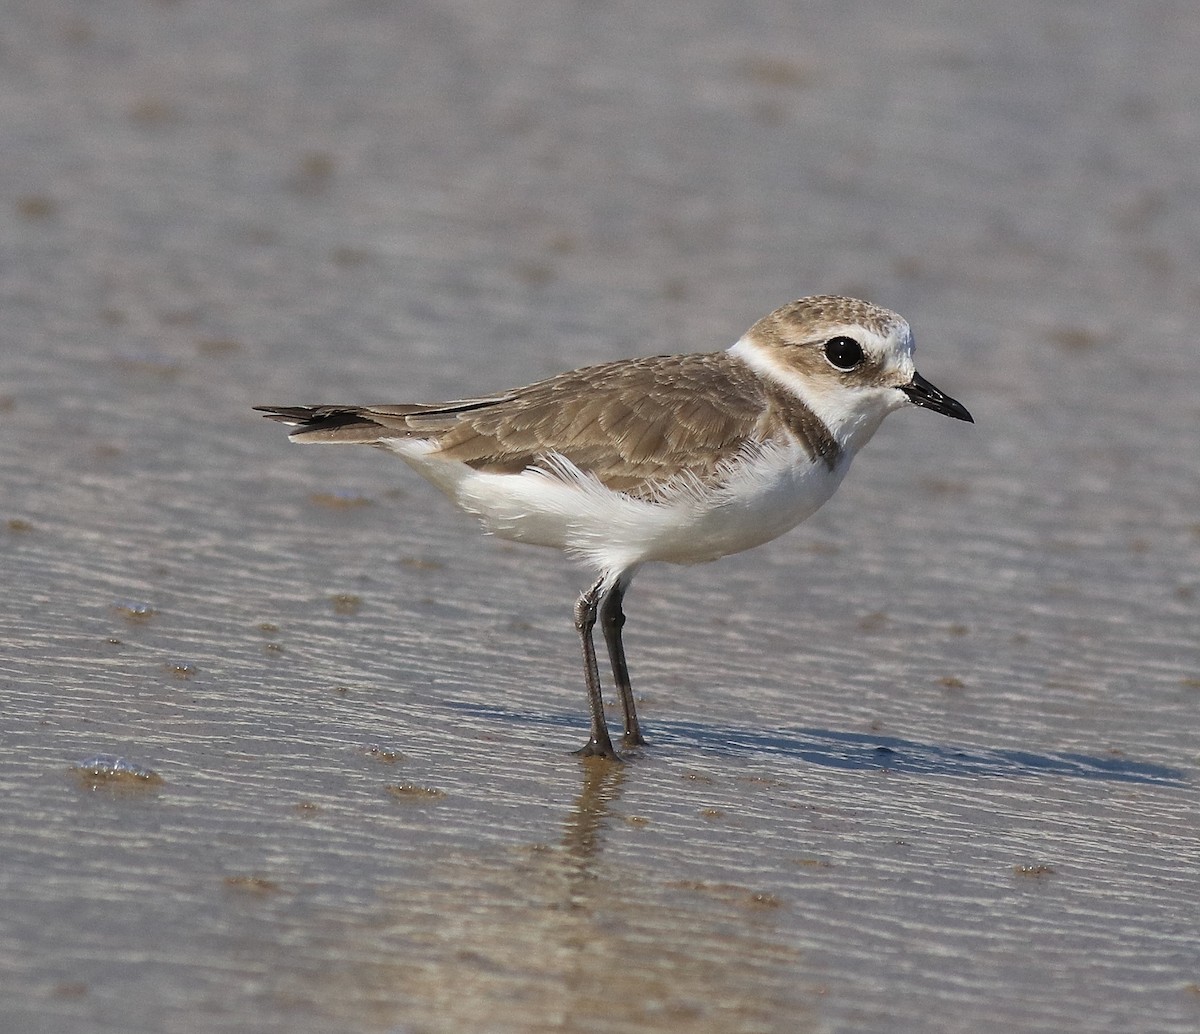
x,y
927,763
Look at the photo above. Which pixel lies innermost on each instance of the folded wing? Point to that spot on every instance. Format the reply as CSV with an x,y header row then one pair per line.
x,y
633,424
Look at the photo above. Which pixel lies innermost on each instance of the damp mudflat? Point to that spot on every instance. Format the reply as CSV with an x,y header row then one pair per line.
x,y
286,744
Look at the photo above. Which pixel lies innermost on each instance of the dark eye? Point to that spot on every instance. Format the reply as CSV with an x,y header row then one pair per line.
x,y
843,352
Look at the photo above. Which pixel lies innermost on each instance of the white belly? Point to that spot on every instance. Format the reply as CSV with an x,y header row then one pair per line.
x,y
768,493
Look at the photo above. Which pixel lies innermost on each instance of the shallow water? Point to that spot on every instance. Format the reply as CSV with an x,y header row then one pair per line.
x,y
926,764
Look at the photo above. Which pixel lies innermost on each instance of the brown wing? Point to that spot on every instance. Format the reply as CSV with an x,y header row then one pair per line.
x,y
632,423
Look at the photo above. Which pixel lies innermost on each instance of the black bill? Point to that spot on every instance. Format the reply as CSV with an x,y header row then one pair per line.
x,y
921,393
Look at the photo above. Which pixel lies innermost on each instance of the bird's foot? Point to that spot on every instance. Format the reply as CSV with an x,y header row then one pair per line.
x,y
598,749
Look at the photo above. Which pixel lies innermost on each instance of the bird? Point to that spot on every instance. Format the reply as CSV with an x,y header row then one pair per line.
x,y
679,459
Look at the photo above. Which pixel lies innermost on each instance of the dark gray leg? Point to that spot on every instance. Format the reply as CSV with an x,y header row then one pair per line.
x,y
599,744
612,620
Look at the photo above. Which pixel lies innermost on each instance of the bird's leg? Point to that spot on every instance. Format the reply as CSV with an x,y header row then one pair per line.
x,y
599,744
612,620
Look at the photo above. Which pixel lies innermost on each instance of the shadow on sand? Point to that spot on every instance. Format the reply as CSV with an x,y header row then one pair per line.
x,y
866,751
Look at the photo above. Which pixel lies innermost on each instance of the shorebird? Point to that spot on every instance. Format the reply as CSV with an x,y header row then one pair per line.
x,y
674,458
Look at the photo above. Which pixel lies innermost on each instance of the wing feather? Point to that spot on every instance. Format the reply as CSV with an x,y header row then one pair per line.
x,y
634,424
619,422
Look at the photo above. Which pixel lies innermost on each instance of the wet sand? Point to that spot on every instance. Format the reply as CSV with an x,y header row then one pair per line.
x,y
926,764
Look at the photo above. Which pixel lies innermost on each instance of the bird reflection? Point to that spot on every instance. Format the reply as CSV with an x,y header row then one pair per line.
x,y
583,831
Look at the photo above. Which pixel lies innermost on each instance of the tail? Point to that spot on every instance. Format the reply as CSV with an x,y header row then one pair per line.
x,y
368,425
335,424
